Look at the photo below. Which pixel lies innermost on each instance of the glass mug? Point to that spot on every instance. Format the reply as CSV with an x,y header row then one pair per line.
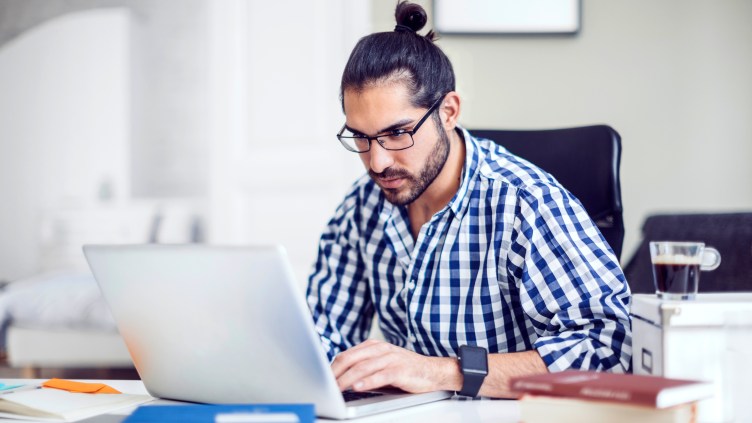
x,y
677,266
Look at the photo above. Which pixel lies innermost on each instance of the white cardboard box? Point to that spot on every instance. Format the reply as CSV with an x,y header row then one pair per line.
x,y
691,340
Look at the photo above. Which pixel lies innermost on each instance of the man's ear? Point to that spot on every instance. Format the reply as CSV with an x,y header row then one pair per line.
x,y
450,110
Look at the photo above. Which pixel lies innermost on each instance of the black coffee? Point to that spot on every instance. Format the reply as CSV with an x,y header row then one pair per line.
x,y
676,278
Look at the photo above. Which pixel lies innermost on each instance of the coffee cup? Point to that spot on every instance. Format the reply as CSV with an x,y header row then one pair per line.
x,y
677,266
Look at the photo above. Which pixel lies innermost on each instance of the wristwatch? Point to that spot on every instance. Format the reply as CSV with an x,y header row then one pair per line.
x,y
474,366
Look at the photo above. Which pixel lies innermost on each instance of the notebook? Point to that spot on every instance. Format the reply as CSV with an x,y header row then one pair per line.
x,y
54,405
203,413
224,325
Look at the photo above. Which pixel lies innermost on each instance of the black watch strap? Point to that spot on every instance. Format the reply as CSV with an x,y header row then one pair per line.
x,y
474,366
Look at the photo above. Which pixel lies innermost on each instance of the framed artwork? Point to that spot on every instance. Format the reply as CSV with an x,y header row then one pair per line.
x,y
514,17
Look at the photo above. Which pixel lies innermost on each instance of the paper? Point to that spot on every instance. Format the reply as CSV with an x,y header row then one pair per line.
x,y
85,388
9,389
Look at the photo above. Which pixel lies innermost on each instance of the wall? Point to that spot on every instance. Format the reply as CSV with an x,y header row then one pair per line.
x,y
64,126
215,110
169,143
673,77
278,171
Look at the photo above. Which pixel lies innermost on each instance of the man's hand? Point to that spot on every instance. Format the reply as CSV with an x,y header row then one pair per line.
x,y
376,364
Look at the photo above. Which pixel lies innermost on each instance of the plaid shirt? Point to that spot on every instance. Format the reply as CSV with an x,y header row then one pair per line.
x,y
512,263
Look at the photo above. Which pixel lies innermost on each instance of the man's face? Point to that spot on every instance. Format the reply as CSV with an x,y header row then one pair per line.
x,y
405,174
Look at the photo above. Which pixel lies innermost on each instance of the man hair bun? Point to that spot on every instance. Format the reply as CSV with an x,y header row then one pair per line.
x,y
411,15
424,68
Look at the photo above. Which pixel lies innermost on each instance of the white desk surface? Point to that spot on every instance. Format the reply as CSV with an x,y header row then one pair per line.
x,y
447,411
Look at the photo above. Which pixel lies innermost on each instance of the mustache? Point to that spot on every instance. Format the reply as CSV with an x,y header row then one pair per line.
x,y
390,173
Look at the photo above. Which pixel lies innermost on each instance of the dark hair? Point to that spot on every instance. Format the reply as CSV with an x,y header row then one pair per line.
x,y
402,54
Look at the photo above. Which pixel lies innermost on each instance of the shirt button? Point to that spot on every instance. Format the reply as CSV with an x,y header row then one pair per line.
x,y
411,285
413,339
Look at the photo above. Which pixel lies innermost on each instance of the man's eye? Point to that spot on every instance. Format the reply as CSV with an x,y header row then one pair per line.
x,y
397,133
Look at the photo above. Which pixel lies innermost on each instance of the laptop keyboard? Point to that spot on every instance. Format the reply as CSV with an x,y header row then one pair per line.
x,y
354,396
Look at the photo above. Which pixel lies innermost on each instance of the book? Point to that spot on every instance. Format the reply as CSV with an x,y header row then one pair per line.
x,y
543,409
55,405
240,413
649,391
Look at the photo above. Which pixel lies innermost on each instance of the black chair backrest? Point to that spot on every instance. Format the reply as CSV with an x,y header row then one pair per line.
x,y
585,160
729,233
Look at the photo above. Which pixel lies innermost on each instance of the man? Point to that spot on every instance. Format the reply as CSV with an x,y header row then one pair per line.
x,y
458,246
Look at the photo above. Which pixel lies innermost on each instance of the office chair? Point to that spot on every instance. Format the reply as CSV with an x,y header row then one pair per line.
x,y
585,160
729,233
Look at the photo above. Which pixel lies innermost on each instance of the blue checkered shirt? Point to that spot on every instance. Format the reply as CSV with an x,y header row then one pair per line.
x,y
512,263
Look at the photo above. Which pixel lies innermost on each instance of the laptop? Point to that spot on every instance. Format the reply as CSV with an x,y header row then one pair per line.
x,y
225,325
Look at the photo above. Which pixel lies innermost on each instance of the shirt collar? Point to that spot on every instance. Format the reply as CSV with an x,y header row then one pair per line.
x,y
469,171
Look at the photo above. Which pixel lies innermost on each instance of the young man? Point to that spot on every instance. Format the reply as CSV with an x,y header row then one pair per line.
x,y
460,248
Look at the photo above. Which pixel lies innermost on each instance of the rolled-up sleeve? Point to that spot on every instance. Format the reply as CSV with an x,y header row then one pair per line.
x,y
572,289
338,293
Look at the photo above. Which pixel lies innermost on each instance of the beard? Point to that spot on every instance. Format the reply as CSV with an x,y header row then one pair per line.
x,y
415,185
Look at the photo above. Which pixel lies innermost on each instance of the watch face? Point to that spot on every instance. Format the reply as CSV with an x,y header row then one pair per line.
x,y
474,359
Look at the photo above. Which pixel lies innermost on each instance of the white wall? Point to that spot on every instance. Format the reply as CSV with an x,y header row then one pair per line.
x,y
219,109
169,62
64,127
278,171
673,77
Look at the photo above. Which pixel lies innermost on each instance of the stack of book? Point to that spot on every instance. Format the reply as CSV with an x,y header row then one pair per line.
x,y
577,396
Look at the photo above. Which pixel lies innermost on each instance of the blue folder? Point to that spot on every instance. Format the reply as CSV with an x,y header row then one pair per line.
x,y
240,413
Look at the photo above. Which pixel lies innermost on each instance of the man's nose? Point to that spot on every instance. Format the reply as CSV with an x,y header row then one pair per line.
x,y
381,158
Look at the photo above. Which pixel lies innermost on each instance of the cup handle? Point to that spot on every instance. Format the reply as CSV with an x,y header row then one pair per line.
x,y
711,259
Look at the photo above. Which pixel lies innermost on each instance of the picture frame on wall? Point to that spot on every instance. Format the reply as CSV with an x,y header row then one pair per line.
x,y
510,17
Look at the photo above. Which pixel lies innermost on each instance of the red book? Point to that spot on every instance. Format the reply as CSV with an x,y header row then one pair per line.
x,y
650,391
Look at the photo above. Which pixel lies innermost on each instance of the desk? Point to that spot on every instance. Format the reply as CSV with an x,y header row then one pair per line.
x,y
447,411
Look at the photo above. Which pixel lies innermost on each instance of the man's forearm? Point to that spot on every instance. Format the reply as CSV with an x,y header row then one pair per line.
x,y
501,368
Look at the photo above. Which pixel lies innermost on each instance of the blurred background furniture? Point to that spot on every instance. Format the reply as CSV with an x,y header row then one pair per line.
x,y
78,352
58,320
729,233
55,322
585,160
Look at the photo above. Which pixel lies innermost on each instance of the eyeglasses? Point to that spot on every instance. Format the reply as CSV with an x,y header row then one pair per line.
x,y
398,139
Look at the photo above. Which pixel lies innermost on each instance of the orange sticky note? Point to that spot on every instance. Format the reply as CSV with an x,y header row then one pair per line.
x,y
86,388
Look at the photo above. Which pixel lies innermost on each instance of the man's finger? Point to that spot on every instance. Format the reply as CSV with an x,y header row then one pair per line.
x,y
374,380
363,370
345,360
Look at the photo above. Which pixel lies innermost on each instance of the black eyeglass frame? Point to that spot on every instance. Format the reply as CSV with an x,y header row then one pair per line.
x,y
410,132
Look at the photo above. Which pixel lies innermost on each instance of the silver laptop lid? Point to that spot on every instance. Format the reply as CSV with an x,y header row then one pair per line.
x,y
216,324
